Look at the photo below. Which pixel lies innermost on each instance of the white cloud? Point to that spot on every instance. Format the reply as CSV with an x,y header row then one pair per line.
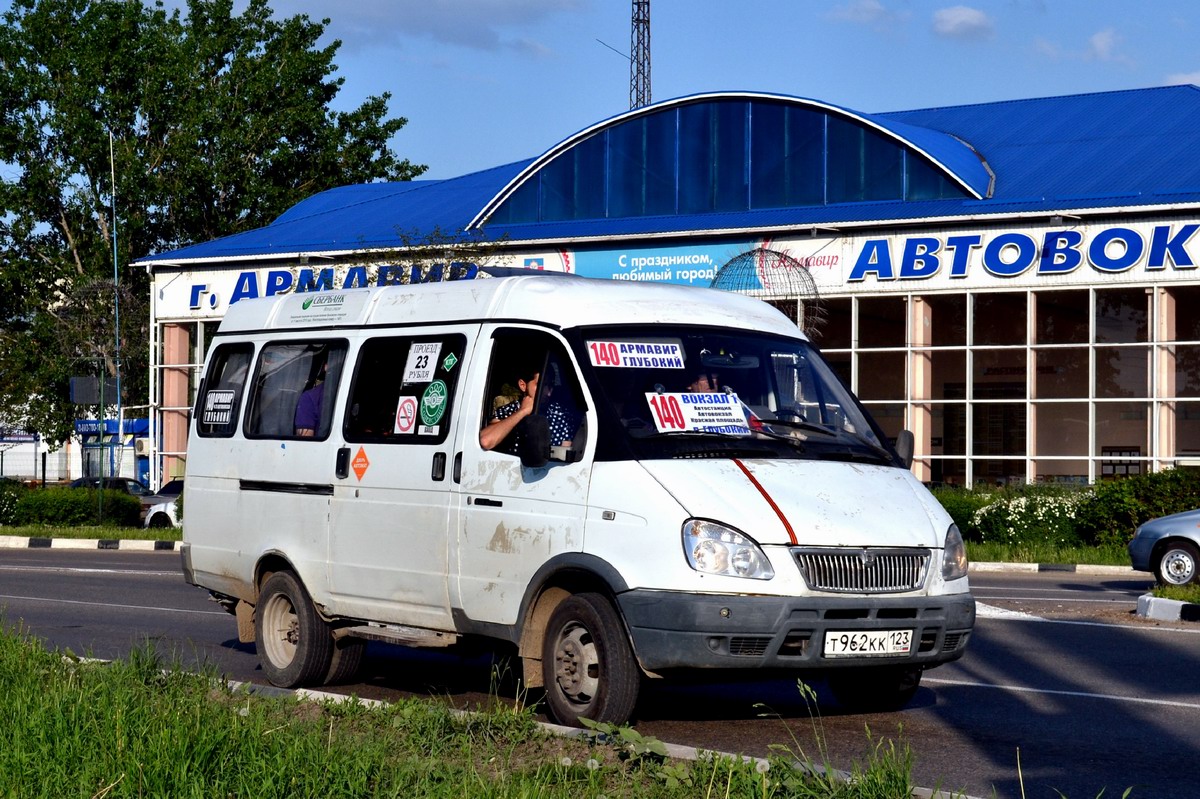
x,y
1105,46
962,22
1183,78
860,11
1047,48
866,12
475,24
1102,45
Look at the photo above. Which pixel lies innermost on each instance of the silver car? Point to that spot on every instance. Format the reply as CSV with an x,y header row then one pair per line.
x,y
1170,547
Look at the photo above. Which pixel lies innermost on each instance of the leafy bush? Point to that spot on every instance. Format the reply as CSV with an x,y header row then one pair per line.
x,y
962,504
73,506
10,492
1117,507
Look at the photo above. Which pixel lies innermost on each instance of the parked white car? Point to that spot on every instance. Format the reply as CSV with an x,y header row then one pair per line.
x,y
163,513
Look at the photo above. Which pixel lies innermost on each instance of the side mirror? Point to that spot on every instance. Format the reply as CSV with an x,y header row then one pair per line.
x,y
535,441
905,443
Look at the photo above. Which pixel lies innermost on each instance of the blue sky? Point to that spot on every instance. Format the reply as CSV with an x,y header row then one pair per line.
x,y
486,82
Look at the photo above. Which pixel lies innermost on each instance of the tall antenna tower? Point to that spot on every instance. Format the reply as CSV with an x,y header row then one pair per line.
x,y
639,60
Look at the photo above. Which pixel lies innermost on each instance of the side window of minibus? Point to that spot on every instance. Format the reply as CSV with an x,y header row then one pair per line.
x,y
219,400
403,389
293,389
529,363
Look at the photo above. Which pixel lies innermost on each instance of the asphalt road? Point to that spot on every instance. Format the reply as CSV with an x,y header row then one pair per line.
x,y
1060,678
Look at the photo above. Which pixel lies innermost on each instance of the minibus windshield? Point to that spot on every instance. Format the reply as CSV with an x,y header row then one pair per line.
x,y
701,389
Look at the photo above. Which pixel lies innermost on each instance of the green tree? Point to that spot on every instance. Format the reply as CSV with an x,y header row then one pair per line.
x,y
213,123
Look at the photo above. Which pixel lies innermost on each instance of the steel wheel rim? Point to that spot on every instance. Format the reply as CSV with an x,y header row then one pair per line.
x,y
1178,567
281,630
577,664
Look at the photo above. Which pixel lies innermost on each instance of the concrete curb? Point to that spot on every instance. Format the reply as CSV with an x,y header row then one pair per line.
x,y
1083,568
39,542
1159,609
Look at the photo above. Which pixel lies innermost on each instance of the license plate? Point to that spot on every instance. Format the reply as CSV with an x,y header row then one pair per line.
x,y
867,643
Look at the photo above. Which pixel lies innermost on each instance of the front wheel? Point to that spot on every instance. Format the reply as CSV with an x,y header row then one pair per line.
x,y
295,645
587,663
1177,564
875,690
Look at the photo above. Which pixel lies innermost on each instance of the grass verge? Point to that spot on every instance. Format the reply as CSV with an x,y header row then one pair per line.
x,y
103,532
1181,593
139,728
1047,553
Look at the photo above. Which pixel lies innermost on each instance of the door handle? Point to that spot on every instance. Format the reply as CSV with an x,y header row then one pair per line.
x,y
438,473
458,467
342,465
491,503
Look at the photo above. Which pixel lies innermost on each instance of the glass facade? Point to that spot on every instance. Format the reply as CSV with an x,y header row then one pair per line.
x,y
1065,385
721,156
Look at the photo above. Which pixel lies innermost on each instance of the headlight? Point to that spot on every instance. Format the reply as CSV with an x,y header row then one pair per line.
x,y
716,549
954,558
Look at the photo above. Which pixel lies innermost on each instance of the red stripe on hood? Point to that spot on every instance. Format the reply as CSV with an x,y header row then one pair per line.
x,y
786,524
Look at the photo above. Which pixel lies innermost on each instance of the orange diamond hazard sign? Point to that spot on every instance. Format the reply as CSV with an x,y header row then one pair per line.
x,y
360,463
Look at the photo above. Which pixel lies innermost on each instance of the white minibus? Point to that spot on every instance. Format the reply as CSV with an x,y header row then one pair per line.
x,y
624,481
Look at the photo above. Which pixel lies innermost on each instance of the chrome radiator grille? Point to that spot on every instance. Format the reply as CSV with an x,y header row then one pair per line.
x,y
863,571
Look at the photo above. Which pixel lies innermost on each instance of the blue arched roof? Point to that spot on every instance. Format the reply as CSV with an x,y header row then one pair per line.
x,y
954,158
1110,150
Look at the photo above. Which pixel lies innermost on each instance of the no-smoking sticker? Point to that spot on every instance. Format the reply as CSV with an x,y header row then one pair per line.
x,y
406,415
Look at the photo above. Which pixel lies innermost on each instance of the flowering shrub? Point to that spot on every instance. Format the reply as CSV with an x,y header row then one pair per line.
x,y
1031,517
10,492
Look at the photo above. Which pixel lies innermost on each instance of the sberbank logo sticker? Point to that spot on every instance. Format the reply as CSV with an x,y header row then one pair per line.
x,y
433,403
321,300
449,361
321,307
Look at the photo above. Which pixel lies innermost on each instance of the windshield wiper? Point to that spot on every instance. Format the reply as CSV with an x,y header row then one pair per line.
x,y
878,452
800,424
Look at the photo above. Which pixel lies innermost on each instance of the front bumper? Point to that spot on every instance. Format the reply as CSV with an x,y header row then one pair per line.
x,y
1141,548
688,631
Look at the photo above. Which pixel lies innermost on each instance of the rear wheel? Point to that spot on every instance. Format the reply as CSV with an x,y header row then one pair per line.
x,y
587,662
295,646
876,689
347,660
1176,565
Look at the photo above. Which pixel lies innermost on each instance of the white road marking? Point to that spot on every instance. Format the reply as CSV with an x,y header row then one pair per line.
x,y
112,605
985,611
82,570
1021,689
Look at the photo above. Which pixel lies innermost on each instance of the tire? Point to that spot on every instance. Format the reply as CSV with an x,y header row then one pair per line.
x,y
295,646
346,661
1176,564
875,690
160,521
587,663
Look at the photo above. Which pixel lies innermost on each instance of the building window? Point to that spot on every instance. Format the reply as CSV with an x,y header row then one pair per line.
x,y
1000,319
722,156
1122,316
881,322
1061,317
